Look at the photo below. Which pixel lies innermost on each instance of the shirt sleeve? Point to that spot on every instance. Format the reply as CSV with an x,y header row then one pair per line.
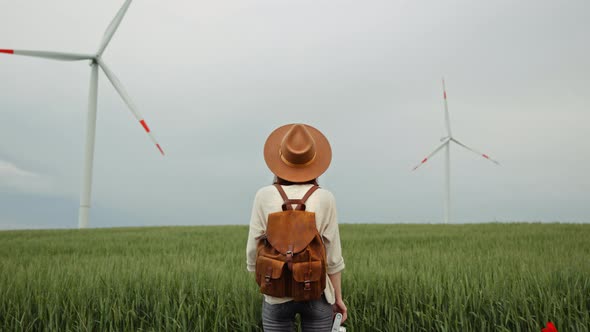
x,y
257,227
331,236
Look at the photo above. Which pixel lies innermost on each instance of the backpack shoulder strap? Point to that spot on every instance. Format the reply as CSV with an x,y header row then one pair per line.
x,y
308,193
288,203
281,191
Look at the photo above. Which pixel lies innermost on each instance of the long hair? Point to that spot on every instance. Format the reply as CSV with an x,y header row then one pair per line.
x,y
284,182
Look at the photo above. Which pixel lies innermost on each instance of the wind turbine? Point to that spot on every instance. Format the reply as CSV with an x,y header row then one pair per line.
x,y
446,144
95,62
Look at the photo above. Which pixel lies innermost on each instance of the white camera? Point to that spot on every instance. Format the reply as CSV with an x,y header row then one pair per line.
x,y
336,326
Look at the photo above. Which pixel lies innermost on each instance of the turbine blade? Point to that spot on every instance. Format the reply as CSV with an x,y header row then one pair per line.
x,y
112,28
476,152
447,118
432,154
50,55
123,93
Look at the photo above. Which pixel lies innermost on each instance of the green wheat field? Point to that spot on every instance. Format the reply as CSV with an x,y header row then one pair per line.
x,y
485,277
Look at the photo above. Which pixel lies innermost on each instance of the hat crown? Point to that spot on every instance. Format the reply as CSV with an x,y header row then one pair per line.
x,y
297,152
298,146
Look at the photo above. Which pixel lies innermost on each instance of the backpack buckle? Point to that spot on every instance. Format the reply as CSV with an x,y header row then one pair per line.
x,y
267,279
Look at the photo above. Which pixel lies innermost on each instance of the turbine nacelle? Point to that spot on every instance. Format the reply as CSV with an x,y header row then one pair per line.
x,y
93,61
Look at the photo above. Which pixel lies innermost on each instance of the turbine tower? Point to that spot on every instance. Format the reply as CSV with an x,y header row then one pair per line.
x,y
95,62
446,144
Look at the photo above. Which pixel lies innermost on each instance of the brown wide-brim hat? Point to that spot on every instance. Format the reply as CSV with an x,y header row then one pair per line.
x,y
297,152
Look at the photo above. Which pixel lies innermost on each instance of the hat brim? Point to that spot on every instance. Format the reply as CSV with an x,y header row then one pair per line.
x,y
277,166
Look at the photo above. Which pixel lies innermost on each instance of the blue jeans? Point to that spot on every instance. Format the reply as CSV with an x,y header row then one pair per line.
x,y
316,315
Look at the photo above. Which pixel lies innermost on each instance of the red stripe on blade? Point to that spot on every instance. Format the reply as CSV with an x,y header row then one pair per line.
x,y
485,156
7,51
159,148
423,161
445,94
145,126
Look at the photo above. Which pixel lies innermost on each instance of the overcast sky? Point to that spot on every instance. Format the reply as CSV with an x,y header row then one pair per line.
x,y
214,78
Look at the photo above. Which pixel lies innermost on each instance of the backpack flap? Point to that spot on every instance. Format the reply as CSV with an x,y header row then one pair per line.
x,y
290,230
307,271
269,267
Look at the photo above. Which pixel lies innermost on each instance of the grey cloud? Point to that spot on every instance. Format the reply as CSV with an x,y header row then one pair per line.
x,y
14,178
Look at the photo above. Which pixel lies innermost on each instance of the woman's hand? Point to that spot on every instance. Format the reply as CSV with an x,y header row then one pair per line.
x,y
340,307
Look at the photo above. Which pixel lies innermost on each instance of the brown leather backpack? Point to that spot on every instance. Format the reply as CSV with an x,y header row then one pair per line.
x,y
291,258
